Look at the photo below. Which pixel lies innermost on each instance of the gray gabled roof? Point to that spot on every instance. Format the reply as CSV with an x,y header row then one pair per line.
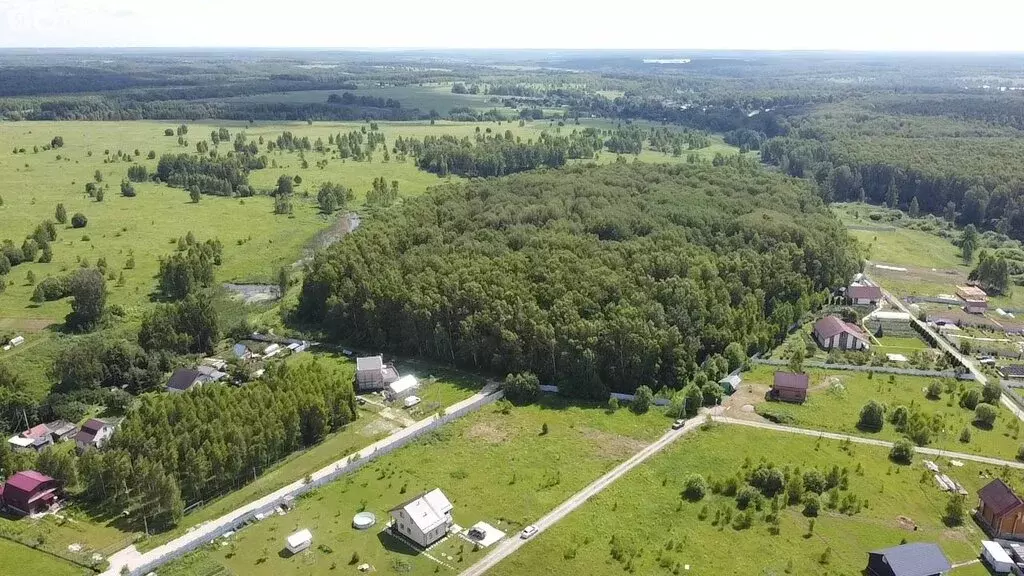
x,y
916,559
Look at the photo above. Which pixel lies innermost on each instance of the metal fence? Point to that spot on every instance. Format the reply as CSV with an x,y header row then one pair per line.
x,y
868,368
205,534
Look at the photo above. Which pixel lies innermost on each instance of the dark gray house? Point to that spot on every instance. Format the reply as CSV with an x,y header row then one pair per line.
x,y
916,559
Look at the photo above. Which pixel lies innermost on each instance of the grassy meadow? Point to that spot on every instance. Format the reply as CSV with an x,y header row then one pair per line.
x,y
527,473
655,531
18,560
836,397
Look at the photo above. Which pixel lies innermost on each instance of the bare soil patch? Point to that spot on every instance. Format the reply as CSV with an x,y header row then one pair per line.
x,y
612,445
487,432
906,523
742,402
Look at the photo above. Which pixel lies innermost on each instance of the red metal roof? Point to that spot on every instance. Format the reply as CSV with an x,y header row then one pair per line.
x,y
37,431
861,292
829,326
790,381
999,497
28,481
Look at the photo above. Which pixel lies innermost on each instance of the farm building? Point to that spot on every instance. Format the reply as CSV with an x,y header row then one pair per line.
x,y
29,492
1000,511
94,434
35,439
831,332
373,374
996,557
730,383
61,430
862,294
1012,371
183,379
891,323
975,299
915,559
424,519
402,387
789,387
299,541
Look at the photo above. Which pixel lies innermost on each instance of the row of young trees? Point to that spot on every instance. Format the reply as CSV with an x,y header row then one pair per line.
x,y
594,279
213,440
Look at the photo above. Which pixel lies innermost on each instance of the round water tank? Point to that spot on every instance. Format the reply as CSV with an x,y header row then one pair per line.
x,y
363,520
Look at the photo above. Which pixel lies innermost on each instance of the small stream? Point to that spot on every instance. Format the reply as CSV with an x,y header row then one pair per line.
x,y
255,293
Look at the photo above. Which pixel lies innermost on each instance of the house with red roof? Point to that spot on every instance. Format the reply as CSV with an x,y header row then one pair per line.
x,y
29,492
32,440
862,294
832,333
1001,511
789,387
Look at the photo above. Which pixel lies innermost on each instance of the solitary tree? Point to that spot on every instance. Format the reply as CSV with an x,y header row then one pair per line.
x,y
695,487
872,417
89,290
283,280
642,400
954,510
796,357
79,220
902,452
522,388
61,214
985,415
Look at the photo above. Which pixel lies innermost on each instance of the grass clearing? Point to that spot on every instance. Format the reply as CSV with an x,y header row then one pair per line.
x,y
657,532
526,474
836,398
73,528
17,560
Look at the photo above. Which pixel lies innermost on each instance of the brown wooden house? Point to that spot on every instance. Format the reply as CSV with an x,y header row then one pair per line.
x,y
789,387
1001,511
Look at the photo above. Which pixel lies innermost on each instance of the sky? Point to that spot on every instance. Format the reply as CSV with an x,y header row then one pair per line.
x,y
873,25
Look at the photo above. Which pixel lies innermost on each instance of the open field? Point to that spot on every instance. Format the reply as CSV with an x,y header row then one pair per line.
x,y
836,398
655,531
18,560
934,264
494,467
426,98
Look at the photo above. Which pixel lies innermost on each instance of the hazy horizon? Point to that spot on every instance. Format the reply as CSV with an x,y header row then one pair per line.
x,y
990,26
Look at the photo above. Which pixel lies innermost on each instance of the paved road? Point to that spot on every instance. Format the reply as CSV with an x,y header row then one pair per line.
x,y
945,345
202,533
514,542
869,441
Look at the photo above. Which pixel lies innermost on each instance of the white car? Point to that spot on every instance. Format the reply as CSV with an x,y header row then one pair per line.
x,y
528,532
678,424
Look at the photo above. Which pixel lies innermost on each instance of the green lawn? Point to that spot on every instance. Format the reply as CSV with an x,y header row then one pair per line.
x,y
18,560
836,398
55,535
657,532
494,467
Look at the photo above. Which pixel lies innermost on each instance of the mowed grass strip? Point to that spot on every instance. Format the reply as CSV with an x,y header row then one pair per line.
x,y
835,399
656,531
495,467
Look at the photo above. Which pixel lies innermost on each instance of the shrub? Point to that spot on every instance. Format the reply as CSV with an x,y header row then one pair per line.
x,y
970,398
902,452
934,390
642,400
991,392
812,504
522,388
872,417
965,435
746,496
695,487
79,220
985,415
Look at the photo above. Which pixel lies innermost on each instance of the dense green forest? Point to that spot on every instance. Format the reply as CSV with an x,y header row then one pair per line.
x,y
935,154
596,279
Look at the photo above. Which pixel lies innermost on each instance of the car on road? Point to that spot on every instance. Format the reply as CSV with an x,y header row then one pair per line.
x,y
678,424
477,534
528,532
